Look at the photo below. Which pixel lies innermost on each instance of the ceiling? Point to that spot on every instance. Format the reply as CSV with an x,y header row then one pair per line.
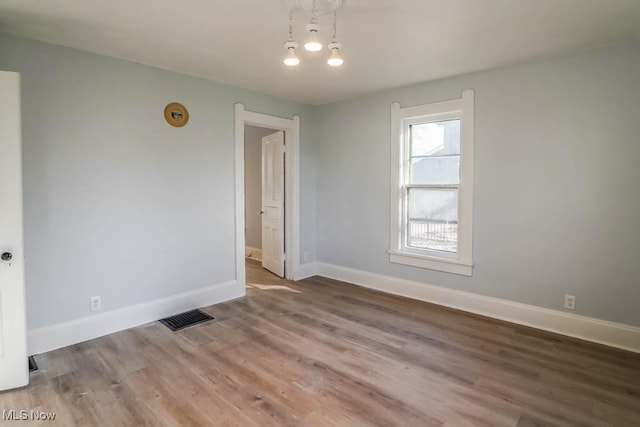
x,y
387,43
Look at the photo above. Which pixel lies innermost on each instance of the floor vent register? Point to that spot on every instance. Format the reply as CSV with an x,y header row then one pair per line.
x,y
184,320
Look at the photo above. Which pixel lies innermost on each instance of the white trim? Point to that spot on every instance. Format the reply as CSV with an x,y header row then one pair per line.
x,y
291,128
64,334
292,198
401,118
239,194
613,334
264,120
435,108
307,270
465,202
255,253
447,265
395,202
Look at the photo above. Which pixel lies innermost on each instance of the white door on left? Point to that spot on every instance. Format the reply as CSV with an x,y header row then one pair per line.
x,y
14,370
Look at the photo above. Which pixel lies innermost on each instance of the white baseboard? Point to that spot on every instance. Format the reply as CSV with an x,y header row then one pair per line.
x,y
613,334
60,335
253,253
306,270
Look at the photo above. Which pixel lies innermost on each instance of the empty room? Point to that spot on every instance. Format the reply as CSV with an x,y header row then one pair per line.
x,y
320,213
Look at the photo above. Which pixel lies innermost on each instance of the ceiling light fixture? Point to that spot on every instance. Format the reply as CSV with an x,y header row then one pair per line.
x,y
313,44
315,8
291,60
335,60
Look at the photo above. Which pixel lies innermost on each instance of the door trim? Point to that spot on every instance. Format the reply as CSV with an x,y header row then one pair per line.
x,y
291,128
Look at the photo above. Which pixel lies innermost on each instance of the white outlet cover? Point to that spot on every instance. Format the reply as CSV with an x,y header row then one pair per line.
x,y
570,302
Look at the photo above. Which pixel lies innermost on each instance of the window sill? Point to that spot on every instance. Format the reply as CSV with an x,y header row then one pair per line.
x,y
432,263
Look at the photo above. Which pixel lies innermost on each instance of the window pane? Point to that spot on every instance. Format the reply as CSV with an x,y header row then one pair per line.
x,y
432,221
435,170
435,139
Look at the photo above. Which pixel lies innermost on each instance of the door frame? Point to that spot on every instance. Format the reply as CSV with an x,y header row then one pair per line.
x,y
291,128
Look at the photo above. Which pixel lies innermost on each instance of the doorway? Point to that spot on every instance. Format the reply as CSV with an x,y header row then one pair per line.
x,y
289,129
264,198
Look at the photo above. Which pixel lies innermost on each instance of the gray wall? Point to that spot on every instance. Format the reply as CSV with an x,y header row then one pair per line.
x,y
557,205
117,202
121,205
253,184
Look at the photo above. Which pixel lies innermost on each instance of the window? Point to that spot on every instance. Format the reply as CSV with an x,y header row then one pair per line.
x,y
432,185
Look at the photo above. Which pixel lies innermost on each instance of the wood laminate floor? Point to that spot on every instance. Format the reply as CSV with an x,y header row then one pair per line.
x,y
323,353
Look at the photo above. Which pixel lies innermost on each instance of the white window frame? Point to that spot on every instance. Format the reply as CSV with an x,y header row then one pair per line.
x,y
401,120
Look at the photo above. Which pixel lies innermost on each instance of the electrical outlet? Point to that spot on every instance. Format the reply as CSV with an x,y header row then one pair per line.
x,y
305,257
570,302
96,303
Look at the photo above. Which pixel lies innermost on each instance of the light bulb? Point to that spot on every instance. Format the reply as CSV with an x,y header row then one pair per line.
x,y
291,60
313,44
335,60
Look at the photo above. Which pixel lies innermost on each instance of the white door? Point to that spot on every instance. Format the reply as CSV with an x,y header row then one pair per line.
x,y
273,203
14,371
